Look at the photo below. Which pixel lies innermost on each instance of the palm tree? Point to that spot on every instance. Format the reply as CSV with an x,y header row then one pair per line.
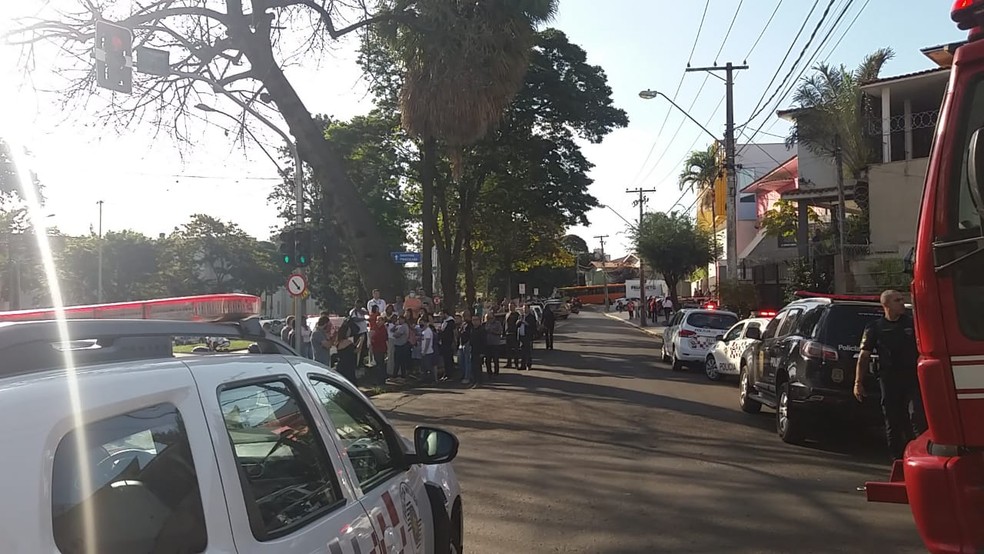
x,y
700,172
831,110
463,63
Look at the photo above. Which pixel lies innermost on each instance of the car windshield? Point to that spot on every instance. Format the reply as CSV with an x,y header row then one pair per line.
x,y
705,320
846,323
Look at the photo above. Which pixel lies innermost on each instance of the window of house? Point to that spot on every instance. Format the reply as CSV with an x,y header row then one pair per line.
x,y
287,477
135,474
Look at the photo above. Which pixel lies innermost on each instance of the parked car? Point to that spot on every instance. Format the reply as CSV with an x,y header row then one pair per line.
x,y
259,452
692,333
726,354
804,366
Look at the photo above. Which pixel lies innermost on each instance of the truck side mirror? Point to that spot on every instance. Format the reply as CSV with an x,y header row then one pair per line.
x,y
975,170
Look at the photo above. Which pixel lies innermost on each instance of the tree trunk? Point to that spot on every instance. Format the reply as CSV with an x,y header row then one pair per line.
x,y
354,221
470,295
428,170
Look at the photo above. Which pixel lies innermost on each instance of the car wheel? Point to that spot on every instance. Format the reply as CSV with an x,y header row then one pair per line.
x,y
710,368
789,424
748,405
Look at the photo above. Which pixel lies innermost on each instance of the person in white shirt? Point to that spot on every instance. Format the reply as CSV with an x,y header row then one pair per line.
x,y
427,354
360,316
376,301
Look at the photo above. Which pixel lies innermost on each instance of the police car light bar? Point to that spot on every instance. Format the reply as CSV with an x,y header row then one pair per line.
x,y
209,307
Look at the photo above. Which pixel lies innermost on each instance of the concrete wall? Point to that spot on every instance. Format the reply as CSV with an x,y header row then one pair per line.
x,y
816,171
895,191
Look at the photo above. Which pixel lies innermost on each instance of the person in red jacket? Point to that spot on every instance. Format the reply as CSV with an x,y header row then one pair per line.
x,y
377,341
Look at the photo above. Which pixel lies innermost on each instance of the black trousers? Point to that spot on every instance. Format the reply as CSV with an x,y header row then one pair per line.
x,y
548,337
902,407
402,354
512,352
492,353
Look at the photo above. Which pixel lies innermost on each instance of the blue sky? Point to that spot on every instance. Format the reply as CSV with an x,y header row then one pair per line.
x,y
151,186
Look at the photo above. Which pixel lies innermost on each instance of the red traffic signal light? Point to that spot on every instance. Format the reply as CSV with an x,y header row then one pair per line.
x,y
114,57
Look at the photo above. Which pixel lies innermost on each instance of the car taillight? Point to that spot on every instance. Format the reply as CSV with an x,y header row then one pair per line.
x,y
967,14
817,351
687,333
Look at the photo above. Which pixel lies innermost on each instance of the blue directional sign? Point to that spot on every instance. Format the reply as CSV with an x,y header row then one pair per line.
x,y
406,257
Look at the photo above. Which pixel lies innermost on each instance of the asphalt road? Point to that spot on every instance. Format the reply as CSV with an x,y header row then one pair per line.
x,y
602,449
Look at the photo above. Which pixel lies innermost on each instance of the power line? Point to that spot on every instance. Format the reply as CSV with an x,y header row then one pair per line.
x,y
677,132
787,86
699,27
688,150
726,35
675,94
759,106
767,23
853,21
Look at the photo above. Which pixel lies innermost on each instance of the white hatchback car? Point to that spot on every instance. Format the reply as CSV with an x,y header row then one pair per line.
x,y
725,356
123,446
692,333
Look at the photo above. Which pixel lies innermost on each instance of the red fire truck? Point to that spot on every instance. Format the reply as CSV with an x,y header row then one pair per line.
x,y
942,474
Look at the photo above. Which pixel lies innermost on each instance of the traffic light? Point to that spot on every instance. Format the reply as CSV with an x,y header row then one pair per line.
x,y
114,57
288,248
302,247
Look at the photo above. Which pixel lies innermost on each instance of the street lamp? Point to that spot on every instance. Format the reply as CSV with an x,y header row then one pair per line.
x,y
651,94
298,188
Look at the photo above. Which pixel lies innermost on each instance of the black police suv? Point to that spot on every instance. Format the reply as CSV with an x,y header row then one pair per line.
x,y
804,366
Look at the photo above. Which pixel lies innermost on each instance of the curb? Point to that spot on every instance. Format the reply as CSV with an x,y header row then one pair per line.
x,y
656,334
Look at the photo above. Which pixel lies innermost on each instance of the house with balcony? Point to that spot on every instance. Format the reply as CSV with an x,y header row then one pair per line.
x,y
882,204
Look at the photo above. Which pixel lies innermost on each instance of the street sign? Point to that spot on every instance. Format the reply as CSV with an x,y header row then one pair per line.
x,y
406,257
296,285
536,292
522,288
153,61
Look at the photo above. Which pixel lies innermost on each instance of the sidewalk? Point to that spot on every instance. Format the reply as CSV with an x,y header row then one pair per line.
x,y
655,330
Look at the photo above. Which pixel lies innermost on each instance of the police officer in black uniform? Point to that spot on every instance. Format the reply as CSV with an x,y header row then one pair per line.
x,y
893,338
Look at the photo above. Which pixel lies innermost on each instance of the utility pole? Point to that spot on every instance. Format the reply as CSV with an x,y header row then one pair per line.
x,y
99,272
642,265
731,225
604,271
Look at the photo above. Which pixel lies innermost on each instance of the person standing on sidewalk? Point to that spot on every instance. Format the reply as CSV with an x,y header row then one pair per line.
x,y
320,341
478,347
428,354
400,335
525,329
549,324
377,342
493,343
667,309
630,307
465,350
893,338
376,301
512,337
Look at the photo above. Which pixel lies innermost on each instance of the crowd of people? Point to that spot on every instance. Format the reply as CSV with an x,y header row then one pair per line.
x,y
655,306
417,338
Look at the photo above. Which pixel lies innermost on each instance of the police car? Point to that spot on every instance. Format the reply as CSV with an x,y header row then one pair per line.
x,y
692,333
115,444
725,356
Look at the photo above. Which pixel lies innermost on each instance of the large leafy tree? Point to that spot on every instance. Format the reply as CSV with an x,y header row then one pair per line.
x,y
131,268
673,245
700,172
831,111
209,255
236,50
462,64
377,155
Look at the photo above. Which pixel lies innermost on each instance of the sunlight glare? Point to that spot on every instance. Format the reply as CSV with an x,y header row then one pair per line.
x,y
37,219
